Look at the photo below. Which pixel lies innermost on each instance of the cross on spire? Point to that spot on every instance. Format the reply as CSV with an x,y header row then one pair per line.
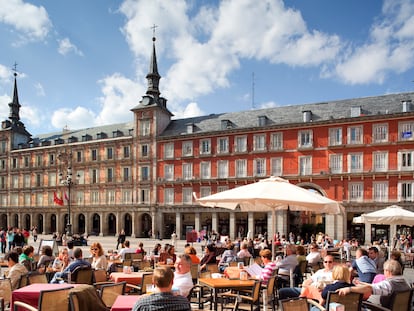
x,y
153,27
14,68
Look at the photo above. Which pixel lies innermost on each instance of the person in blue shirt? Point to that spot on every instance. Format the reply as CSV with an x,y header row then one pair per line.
x,y
72,266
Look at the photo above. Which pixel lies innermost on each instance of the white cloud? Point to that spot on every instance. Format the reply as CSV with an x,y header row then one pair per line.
x,y
32,116
66,47
269,104
32,22
191,110
5,74
79,117
39,89
4,107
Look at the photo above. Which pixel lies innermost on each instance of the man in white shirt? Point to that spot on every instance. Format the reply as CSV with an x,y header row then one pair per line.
x,y
314,255
182,275
125,250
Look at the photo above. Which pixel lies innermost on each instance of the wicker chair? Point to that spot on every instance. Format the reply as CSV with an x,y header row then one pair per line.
x,y
49,300
109,292
400,301
351,301
82,275
34,278
294,304
242,302
142,288
7,291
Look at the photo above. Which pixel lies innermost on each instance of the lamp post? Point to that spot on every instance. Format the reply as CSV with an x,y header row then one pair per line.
x,y
68,181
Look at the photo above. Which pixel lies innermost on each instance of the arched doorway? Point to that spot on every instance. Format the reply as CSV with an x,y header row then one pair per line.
x,y
39,223
112,224
146,225
15,221
81,224
53,227
4,221
27,224
128,224
96,224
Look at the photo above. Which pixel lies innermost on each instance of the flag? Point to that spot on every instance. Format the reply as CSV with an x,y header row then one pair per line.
x,y
57,200
66,196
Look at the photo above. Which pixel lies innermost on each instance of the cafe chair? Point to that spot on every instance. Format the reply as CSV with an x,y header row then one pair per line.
x,y
270,288
82,275
294,304
23,281
100,276
212,267
400,301
49,300
6,297
35,278
142,288
351,301
195,269
251,302
109,292
87,299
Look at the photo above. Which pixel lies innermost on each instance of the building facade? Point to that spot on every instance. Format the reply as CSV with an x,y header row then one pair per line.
x,y
141,176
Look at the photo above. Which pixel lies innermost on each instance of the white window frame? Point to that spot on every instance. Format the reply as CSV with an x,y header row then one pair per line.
x,y
355,135
205,146
276,141
380,161
169,172
335,136
405,131
305,139
405,159
259,142
169,196
145,128
380,191
259,167
187,149
356,192
305,165
222,169
205,191
405,191
205,170
240,144
241,168
222,145
169,151
188,171
276,166
380,133
336,163
188,195
355,162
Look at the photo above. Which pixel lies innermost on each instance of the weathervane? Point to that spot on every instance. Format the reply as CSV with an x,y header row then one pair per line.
x,y
14,68
153,27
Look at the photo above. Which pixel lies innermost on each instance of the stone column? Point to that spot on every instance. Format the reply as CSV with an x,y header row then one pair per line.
x,y
133,234
368,234
250,225
178,225
86,223
101,224
214,223
232,225
153,222
197,222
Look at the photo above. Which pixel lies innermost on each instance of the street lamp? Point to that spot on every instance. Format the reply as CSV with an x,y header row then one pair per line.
x,y
67,181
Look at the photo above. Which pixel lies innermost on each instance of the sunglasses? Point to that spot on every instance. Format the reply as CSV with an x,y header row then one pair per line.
x,y
328,261
94,249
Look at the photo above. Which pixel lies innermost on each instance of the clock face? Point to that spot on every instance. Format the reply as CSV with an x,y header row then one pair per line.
x,y
146,100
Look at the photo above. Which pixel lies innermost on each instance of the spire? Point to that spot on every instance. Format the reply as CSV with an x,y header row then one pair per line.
x,y
15,105
153,76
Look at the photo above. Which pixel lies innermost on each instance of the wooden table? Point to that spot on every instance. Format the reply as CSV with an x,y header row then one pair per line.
x,y
30,294
124,302
131,278
223,283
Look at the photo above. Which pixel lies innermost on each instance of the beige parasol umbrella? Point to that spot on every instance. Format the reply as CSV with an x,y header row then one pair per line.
x,y
391,215
272,194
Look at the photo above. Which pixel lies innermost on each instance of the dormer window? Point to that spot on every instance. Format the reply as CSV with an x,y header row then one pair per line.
x,y
262,120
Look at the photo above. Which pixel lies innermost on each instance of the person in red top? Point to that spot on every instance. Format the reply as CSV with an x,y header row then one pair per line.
x,y
140,249
191,251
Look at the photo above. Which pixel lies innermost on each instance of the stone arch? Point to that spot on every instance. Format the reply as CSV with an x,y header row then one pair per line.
x,y
96,224
4,221
81,223
53,223
127,223
112,224
38,222
146,225
26,221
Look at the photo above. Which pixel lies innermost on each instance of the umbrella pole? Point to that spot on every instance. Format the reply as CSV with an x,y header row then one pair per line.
x,y
273,233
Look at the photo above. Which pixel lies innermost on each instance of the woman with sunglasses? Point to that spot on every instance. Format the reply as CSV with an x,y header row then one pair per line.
x,y
98,257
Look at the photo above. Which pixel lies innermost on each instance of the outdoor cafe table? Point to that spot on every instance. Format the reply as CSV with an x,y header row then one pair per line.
x,y
124,302
223,283
30,294
133,278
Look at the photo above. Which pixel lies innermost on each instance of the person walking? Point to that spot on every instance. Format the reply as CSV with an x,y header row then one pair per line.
x,y
34,233
121,239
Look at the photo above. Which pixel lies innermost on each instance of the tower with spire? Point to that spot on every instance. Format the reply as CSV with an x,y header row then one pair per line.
x,y
19,134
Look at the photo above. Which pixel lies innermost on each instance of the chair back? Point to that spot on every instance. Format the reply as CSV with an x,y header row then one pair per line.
x,y
401,301
73,302
55,299
23,281
146,280
256,292
195,268
212,267
34,278
5,285
294,304
271,286
99,276
82,275
351,301
110,291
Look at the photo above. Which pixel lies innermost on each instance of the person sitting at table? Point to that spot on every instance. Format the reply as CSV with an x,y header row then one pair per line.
x,y
126,249
269,266
396,255
379,260
317,279
300,253
191,251
227,257
98,257
45,259
365,267
182,274
381,292
314,256
16,269
169,256
209,257
286,265
162,298
72,266
61,261
27,257
156,251
140,249
244,251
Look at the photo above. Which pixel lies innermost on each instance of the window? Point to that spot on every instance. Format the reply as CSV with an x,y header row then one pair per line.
x,y
241,144
305,139
110,197
380,160
259,142
3,164
126,196
52,180
94,155
109,153
79,197
205,170
15,181
26,180
39,161
259,167
405,160
205,146
335,163
405,130
187,149
79,156
27,197
26,161
335,136
169,172
144,173
276,141
95,197
145,196
380,190
355,135
145,128
169,151
355,163
39,180
144,150
3,146
276,166
52,159
15,163
126,152
305,165
380,133
110,174
94,176
169,195
222,188
223,145
356,192
126,174
405,191
187,171
205,191
39,199
187,195
223,169
241,168
14,199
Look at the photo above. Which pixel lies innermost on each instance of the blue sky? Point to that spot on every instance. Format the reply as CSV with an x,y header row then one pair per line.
x,y
83,63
